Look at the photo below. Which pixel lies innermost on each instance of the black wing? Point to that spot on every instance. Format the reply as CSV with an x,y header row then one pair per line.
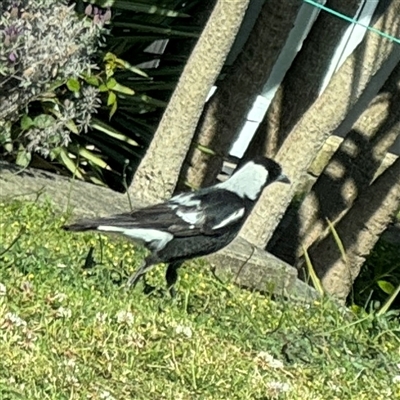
x,y
205,212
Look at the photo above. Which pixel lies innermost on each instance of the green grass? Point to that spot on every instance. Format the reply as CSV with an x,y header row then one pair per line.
x,y
70,331
382,267
379,277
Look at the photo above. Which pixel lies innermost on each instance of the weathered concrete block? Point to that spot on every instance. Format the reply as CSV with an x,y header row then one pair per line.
x,y
83,198
254,268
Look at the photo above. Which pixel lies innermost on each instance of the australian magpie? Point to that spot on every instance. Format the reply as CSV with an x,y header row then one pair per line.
x,y
192,224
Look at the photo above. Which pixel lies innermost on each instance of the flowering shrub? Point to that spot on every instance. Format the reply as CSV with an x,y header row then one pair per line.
x,y
45,50
54,76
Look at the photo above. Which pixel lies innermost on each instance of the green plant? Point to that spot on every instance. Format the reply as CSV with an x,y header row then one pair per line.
x,y
44,50
378,284
379,278
58,124
135,83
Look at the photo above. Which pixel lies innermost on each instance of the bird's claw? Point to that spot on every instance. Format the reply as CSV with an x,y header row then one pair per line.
x,y
131,282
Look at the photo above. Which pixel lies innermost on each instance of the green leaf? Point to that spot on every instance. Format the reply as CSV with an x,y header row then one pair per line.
x,y
103,88
113,110
386,286
149,100
109,130
123,89
112,98
73,85
125,65
338,241
385,308
110,69
97,181
111,83
314,278
138,7
8,147
92,80
135,69
112,101
26,122
109,57
205,149
72,126
23,157
66,160
88,155
157,29
43,121
55,85
54,153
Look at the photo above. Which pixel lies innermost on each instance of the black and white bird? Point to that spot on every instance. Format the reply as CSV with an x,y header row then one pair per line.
x,y
192,224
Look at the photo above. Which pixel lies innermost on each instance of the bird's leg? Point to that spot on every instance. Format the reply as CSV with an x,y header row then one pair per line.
x,y
145,267
171,276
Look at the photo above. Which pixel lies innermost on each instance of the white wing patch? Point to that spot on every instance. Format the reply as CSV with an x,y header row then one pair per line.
x,y
158,238
232,218
185,199
192,218
178,204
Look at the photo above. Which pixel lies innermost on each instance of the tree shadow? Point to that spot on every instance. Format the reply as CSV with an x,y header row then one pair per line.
x,y
238,90
349,174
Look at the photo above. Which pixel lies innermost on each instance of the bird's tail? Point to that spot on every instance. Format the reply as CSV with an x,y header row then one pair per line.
x,y
115,223
82,225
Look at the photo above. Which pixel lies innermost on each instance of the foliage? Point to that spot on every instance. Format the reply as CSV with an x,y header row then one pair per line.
x,y
134,61
379,277
69,331
379,280
44,50
378,284
88,75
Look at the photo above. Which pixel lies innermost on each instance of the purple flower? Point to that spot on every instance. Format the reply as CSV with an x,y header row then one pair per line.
x,y
13,57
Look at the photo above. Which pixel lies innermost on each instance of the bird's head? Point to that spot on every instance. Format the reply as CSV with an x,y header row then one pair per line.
x,y
253,177
275,173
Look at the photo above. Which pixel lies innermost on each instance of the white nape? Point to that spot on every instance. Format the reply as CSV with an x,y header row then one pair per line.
x,y
247,182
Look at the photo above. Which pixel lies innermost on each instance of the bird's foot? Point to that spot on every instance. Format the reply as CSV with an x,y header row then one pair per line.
x,y
131,282
134,279
172,292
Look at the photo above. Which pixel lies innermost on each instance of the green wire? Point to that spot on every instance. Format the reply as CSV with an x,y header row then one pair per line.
x,y
352,20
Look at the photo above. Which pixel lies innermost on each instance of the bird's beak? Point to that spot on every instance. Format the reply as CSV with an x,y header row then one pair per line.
x,y
283,178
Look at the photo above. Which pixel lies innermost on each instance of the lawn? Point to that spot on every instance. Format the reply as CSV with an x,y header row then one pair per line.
x,y
69,330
